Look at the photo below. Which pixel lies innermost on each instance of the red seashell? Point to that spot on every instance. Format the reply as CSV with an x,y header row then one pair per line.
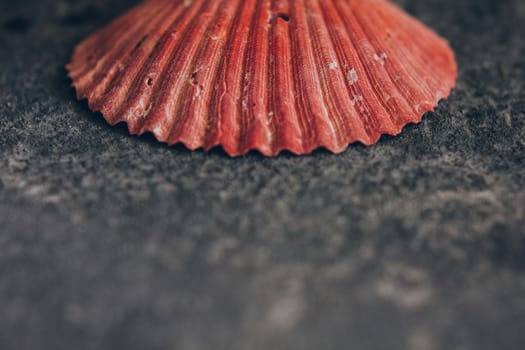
x,y
267,75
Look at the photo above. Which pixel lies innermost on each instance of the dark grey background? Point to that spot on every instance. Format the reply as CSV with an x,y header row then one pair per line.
x,y
109,241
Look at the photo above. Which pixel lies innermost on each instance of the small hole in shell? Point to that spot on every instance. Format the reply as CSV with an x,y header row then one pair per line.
x,y
141,41
149,81
193,78
285,17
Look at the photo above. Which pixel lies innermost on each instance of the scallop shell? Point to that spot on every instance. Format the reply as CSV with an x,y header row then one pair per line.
x,y
268,75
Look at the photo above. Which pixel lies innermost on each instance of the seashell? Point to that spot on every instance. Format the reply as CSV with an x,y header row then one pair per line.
x,y
266,75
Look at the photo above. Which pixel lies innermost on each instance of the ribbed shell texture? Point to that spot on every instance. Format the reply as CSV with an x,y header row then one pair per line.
x,y
266,75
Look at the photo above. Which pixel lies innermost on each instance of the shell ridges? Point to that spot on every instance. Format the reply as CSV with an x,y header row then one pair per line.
x,y
265,75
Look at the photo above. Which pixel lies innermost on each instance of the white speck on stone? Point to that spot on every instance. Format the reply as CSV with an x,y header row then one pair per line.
x,y
381,58
333,65
286,312
421,339
198,92
352,76
221,248
405,286
35,190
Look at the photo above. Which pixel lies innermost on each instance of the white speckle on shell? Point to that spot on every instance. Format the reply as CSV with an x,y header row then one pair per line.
x,y
352,76
381,58
333,65
356,99
157,130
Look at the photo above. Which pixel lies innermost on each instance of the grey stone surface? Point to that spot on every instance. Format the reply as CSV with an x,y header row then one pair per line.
x,y
109,241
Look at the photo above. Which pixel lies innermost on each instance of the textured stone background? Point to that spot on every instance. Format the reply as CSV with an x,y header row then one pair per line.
x,y
109,241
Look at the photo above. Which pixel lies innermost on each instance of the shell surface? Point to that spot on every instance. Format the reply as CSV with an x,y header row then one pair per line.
x,y
264,75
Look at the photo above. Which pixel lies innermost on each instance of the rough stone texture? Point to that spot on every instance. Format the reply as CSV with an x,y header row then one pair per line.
x,y
109,241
